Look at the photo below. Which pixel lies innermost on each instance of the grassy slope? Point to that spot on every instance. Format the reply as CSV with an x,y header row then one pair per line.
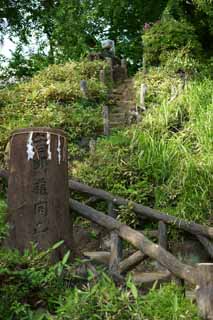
x,y
53,98
166,161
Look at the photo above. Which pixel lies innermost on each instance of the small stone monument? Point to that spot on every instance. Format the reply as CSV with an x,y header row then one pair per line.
x,y
109,46
38,194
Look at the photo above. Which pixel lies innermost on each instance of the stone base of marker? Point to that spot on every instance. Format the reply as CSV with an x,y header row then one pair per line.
x,y
38,194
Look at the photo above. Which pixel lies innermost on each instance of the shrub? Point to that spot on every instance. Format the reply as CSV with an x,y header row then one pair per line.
x,y
168,35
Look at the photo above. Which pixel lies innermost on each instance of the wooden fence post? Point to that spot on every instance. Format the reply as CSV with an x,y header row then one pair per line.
x,y
124,67
204,290
162,235
116,244
110,63
162,238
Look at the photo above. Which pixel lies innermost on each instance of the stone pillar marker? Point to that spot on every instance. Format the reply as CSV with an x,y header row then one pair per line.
x,y
38,194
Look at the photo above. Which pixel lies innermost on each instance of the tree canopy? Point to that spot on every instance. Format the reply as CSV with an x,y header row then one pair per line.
x,y
69,29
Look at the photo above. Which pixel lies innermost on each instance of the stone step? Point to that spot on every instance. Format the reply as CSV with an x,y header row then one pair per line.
x,y
116,123
124,102
115,93
117,116
127,80
118,110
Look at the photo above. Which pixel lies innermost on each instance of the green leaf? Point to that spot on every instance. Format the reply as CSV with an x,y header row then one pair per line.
x,y
57,245
65,258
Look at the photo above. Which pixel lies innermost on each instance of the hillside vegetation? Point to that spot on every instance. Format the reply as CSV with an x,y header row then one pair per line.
x,y
164,161
53,98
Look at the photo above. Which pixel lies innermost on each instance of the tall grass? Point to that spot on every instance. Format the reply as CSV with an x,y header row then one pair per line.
x,y
107,302
165,162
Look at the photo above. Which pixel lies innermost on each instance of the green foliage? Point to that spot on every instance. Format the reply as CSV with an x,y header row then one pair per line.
x,y
29,282
53,98
166,161
205,13
72,28
21,66
198,13
3,224
168,35
105,301
32,289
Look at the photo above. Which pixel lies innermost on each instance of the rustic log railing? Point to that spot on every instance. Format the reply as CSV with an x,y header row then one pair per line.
x,y
140,210
203,233
200,275
138,240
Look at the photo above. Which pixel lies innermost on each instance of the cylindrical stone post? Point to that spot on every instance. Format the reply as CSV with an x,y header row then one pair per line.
x,y
106,120
110,63
102,76
124,67
38,194
143,91
83,87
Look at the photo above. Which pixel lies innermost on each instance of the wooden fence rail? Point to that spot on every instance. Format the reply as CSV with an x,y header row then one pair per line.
x,y
140,210
200,275
200,231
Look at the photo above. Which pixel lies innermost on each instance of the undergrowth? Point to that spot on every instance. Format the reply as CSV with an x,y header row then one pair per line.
x,y
33,289
105,301
166,161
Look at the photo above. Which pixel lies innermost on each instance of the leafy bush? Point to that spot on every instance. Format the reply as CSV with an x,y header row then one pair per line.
x,y
168,35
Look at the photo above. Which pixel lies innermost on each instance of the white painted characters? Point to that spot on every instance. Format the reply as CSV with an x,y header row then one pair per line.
x,y
59,150
30,149
48,146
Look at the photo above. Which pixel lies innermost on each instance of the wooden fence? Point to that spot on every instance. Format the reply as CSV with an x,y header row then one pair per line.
x,y
200,275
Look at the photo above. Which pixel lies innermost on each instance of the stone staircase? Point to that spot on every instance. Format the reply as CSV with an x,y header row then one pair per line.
x,y
122,100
